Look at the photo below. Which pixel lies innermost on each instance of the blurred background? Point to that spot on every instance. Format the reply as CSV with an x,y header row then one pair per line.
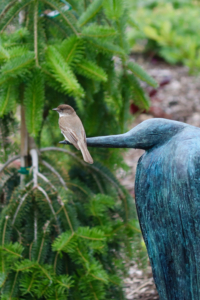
x,y
69,230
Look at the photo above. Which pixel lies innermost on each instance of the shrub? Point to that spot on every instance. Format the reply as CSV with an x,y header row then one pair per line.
x,y
66,228
171,32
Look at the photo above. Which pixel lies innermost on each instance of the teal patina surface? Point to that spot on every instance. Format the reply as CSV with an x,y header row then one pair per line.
x,y
167,190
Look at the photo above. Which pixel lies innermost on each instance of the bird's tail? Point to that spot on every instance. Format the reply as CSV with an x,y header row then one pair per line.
x,y
86,154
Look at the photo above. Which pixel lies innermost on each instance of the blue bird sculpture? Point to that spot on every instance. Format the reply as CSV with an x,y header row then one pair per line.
x,y
167,191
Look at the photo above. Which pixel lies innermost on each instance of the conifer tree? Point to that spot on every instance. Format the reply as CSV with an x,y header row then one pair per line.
x,y
67,231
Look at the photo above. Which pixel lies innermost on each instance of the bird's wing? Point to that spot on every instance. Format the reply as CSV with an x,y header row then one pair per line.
x,y
70,135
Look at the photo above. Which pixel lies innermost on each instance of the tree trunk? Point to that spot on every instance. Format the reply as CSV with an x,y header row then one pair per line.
x,y
24,145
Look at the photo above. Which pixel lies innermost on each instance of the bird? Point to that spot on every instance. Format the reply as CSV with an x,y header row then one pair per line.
x,y
73,130
167,196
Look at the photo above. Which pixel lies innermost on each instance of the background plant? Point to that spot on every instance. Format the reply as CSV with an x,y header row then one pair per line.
x,y
171,31
81,223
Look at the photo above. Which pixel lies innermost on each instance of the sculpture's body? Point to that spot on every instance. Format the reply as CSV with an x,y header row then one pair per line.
x,y
168,201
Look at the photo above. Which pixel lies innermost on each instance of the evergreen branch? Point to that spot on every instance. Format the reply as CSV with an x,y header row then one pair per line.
x,y
90,12
44,271
17,51
19,206
91,70
106,47
13,285
68,58
35,225
56,7
79,187
90,233
24,265
44,290
116,186
31,282
7,99
17,65
68,219
98,278
63,74
46,164
3,240
36,32
62,242
114,9
95,296
141,74
109,179
55,262
34,101
41,246
98,31
48,200
11,252
46,180
139,97
64,285
134,228
72,49
4,230
4,54
98,183
57,24
7,8
3,79
85,260
88,166
4,281
30,249
63,150
16,9
89,238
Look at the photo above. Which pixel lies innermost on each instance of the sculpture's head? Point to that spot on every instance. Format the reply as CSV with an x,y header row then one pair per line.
x,y
153,132
146,135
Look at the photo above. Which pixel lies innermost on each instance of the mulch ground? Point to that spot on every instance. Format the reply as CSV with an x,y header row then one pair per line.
x,y
177,98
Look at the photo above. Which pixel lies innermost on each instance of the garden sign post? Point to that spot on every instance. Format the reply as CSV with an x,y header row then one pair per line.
x,y
167,190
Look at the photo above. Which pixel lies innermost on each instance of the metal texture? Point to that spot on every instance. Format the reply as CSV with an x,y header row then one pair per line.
x,y
167,193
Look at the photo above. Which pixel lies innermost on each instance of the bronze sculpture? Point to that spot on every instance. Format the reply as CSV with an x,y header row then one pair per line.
x,y
167,190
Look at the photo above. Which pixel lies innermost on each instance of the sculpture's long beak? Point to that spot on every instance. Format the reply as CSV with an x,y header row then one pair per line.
x,y
110,141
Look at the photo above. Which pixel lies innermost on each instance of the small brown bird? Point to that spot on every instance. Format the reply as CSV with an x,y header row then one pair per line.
x,y
73,130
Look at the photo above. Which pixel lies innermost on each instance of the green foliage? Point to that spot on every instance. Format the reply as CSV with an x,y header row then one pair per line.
x,y
114,9
141,74
7,98
171,32
91,70
98,31
139,96
63,74
90,12
69,236
74,252
74,49
17,65
34,101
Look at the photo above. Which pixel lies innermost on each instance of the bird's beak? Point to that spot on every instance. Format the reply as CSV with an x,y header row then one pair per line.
x,y
55,109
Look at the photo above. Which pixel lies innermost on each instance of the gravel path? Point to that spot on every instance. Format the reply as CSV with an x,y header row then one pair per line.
x,y
178,99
